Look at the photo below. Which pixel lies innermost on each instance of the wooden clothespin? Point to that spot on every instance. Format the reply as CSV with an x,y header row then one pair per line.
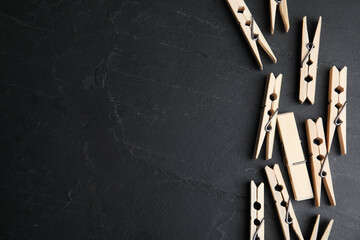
x,y
283,12
309,63
282,201
320,167
250,29
257,221
337,107
267,124
326,234
294,157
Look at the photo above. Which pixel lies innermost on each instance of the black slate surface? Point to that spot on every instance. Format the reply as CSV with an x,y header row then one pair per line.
x,y
161,149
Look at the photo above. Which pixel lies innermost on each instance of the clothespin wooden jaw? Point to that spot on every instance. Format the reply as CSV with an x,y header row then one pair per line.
x,y
337,107
315,231
257,221
283,12
250,29
294,157
282,201
309,63
267,124
320,167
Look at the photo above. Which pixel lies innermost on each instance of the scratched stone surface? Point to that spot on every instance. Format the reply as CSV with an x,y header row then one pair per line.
x,y
137,119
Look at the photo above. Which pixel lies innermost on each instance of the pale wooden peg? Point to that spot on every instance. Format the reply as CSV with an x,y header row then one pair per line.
x,y
250,30
257,221
283,12
294,157
320,166
315,231
326,234
282,201
267,124
337,107
309,63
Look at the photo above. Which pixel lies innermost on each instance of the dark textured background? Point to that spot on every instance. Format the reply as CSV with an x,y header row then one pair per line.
x,y
162,148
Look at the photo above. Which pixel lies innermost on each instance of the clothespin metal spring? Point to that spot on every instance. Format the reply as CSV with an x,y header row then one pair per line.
x,y
254,37
309,46
322,173
256,237
288,219
267,126
338,121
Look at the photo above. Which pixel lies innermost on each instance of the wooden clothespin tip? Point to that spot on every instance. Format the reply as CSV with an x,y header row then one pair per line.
x,y
283,12
315,231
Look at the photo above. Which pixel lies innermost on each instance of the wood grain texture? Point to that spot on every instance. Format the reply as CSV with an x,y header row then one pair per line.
x,y
283,12
294,157
257,197
281,199
315,231
337,97
318,158
308,70
326,235
270,106
244,18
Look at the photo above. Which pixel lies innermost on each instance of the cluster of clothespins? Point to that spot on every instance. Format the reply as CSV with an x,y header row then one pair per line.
x,y
319,146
